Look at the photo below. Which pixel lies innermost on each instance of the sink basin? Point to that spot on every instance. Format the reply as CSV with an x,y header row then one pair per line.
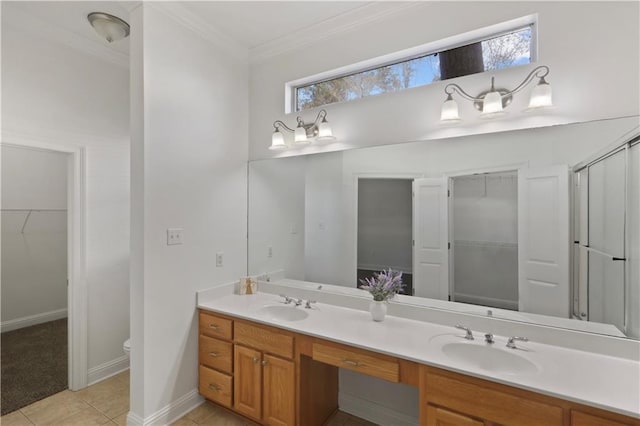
x,y
490,358
283,313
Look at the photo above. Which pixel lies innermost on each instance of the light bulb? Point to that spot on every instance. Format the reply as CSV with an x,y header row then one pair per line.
x,y
300,136
324,131
492,103
449,110
277,141
541,95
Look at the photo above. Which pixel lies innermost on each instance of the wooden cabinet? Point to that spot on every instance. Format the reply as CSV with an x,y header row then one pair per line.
x,y
279,378
278,391
247,392
437,416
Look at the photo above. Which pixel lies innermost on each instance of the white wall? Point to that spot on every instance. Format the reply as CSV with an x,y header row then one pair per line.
x,y
633,294
485,239
385,224
54,94
34,263
189,170
579,41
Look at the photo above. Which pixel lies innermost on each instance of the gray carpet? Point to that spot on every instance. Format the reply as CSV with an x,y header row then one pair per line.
x,y
34,364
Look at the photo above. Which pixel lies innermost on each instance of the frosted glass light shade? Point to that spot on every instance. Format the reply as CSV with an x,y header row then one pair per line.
x,y
541,95
300,136
449,111
492,103
277,141
109,27
324,132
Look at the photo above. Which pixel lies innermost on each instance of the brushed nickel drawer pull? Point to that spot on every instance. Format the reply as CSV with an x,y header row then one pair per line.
x,y
256,360
213,326
214,354
214,387
264,362
351,362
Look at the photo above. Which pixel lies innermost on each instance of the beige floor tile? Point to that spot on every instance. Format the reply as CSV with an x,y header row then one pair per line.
x,y
224,418
15,419
87,417
183,422
110,397
121,420
201,412
123,377
55,413
56,399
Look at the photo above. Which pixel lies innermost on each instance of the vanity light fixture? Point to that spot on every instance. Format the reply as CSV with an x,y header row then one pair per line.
x,y
304,133
491,103
109,27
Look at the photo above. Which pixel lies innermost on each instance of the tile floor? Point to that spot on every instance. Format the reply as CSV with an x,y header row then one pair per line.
x,y
107,403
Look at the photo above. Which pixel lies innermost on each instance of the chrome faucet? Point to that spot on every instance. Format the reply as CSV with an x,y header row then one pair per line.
x,y
298,302
511,343
287,299
308,304
469,335
488,338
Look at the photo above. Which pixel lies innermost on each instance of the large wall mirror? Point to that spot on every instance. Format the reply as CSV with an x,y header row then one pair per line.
x,y
538,225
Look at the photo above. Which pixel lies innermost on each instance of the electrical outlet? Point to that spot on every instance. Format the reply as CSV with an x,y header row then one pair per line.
x,y
270,252
219,259
174,236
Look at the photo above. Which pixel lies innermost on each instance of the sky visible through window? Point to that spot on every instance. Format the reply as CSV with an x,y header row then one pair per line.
x,y
504,51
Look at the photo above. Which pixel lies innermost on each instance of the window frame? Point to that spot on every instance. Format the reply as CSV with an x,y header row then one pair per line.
x,y
470,37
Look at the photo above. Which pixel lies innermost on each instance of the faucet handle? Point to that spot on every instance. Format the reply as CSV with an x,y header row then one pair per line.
x,y
308,304
511,343
488,337
469,335
287,299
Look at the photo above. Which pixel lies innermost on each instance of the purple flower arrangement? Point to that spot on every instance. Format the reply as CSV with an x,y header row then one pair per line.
x,y
384,285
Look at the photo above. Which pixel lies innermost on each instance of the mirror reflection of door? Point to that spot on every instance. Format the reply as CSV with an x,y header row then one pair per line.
x,y
484,239
384,228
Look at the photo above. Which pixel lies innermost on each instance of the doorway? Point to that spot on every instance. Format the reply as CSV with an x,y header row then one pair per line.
x,y
384,228
44,233
484,239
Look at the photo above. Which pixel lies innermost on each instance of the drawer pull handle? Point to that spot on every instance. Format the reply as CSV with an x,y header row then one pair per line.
x,y
351,362
256,360
214,387
264,362
214,327
214,354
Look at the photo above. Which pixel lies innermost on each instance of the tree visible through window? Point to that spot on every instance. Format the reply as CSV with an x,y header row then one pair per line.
x,y
504,51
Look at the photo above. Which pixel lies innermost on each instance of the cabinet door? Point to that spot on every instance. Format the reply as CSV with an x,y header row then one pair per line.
x,y
279,391
583,419
440,417
247,389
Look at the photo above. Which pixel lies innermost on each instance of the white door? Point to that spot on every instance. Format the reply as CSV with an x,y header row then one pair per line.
x,y
430,238
543,241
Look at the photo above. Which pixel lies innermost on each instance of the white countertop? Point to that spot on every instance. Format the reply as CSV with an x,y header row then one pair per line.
x,y
596,380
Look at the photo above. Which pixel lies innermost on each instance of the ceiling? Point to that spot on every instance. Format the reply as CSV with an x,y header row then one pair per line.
x,y
258,28
254,23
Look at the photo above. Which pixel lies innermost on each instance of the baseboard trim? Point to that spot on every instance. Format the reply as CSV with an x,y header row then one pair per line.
x,y
171,412
373,412
108,369
30,320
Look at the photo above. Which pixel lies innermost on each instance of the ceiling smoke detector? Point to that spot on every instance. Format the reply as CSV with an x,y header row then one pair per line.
x,y
109,27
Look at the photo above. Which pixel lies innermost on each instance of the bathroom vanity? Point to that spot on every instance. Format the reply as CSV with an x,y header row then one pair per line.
x,y
278,364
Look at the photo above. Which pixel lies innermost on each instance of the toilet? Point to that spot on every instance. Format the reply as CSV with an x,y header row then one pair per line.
x,y
127,347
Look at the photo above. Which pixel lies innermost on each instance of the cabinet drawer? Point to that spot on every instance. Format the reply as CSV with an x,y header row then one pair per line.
x,y
214,326
486,402
358,360
264,339
579,418
215,386
216,353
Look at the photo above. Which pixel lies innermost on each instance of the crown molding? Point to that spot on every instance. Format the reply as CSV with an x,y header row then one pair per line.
x,y
346,22
195,23
25,22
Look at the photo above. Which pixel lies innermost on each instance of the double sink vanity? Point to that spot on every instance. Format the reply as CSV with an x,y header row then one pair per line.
x,y
275,360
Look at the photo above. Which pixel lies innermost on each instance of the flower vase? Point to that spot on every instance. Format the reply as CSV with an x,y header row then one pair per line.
x,y
378,310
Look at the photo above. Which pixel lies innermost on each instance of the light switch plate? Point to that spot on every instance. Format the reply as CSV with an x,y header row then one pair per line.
x,y
174,236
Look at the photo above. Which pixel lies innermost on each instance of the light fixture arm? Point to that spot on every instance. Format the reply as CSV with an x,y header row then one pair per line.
x,y
452,88
311,127
280,125
538,72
